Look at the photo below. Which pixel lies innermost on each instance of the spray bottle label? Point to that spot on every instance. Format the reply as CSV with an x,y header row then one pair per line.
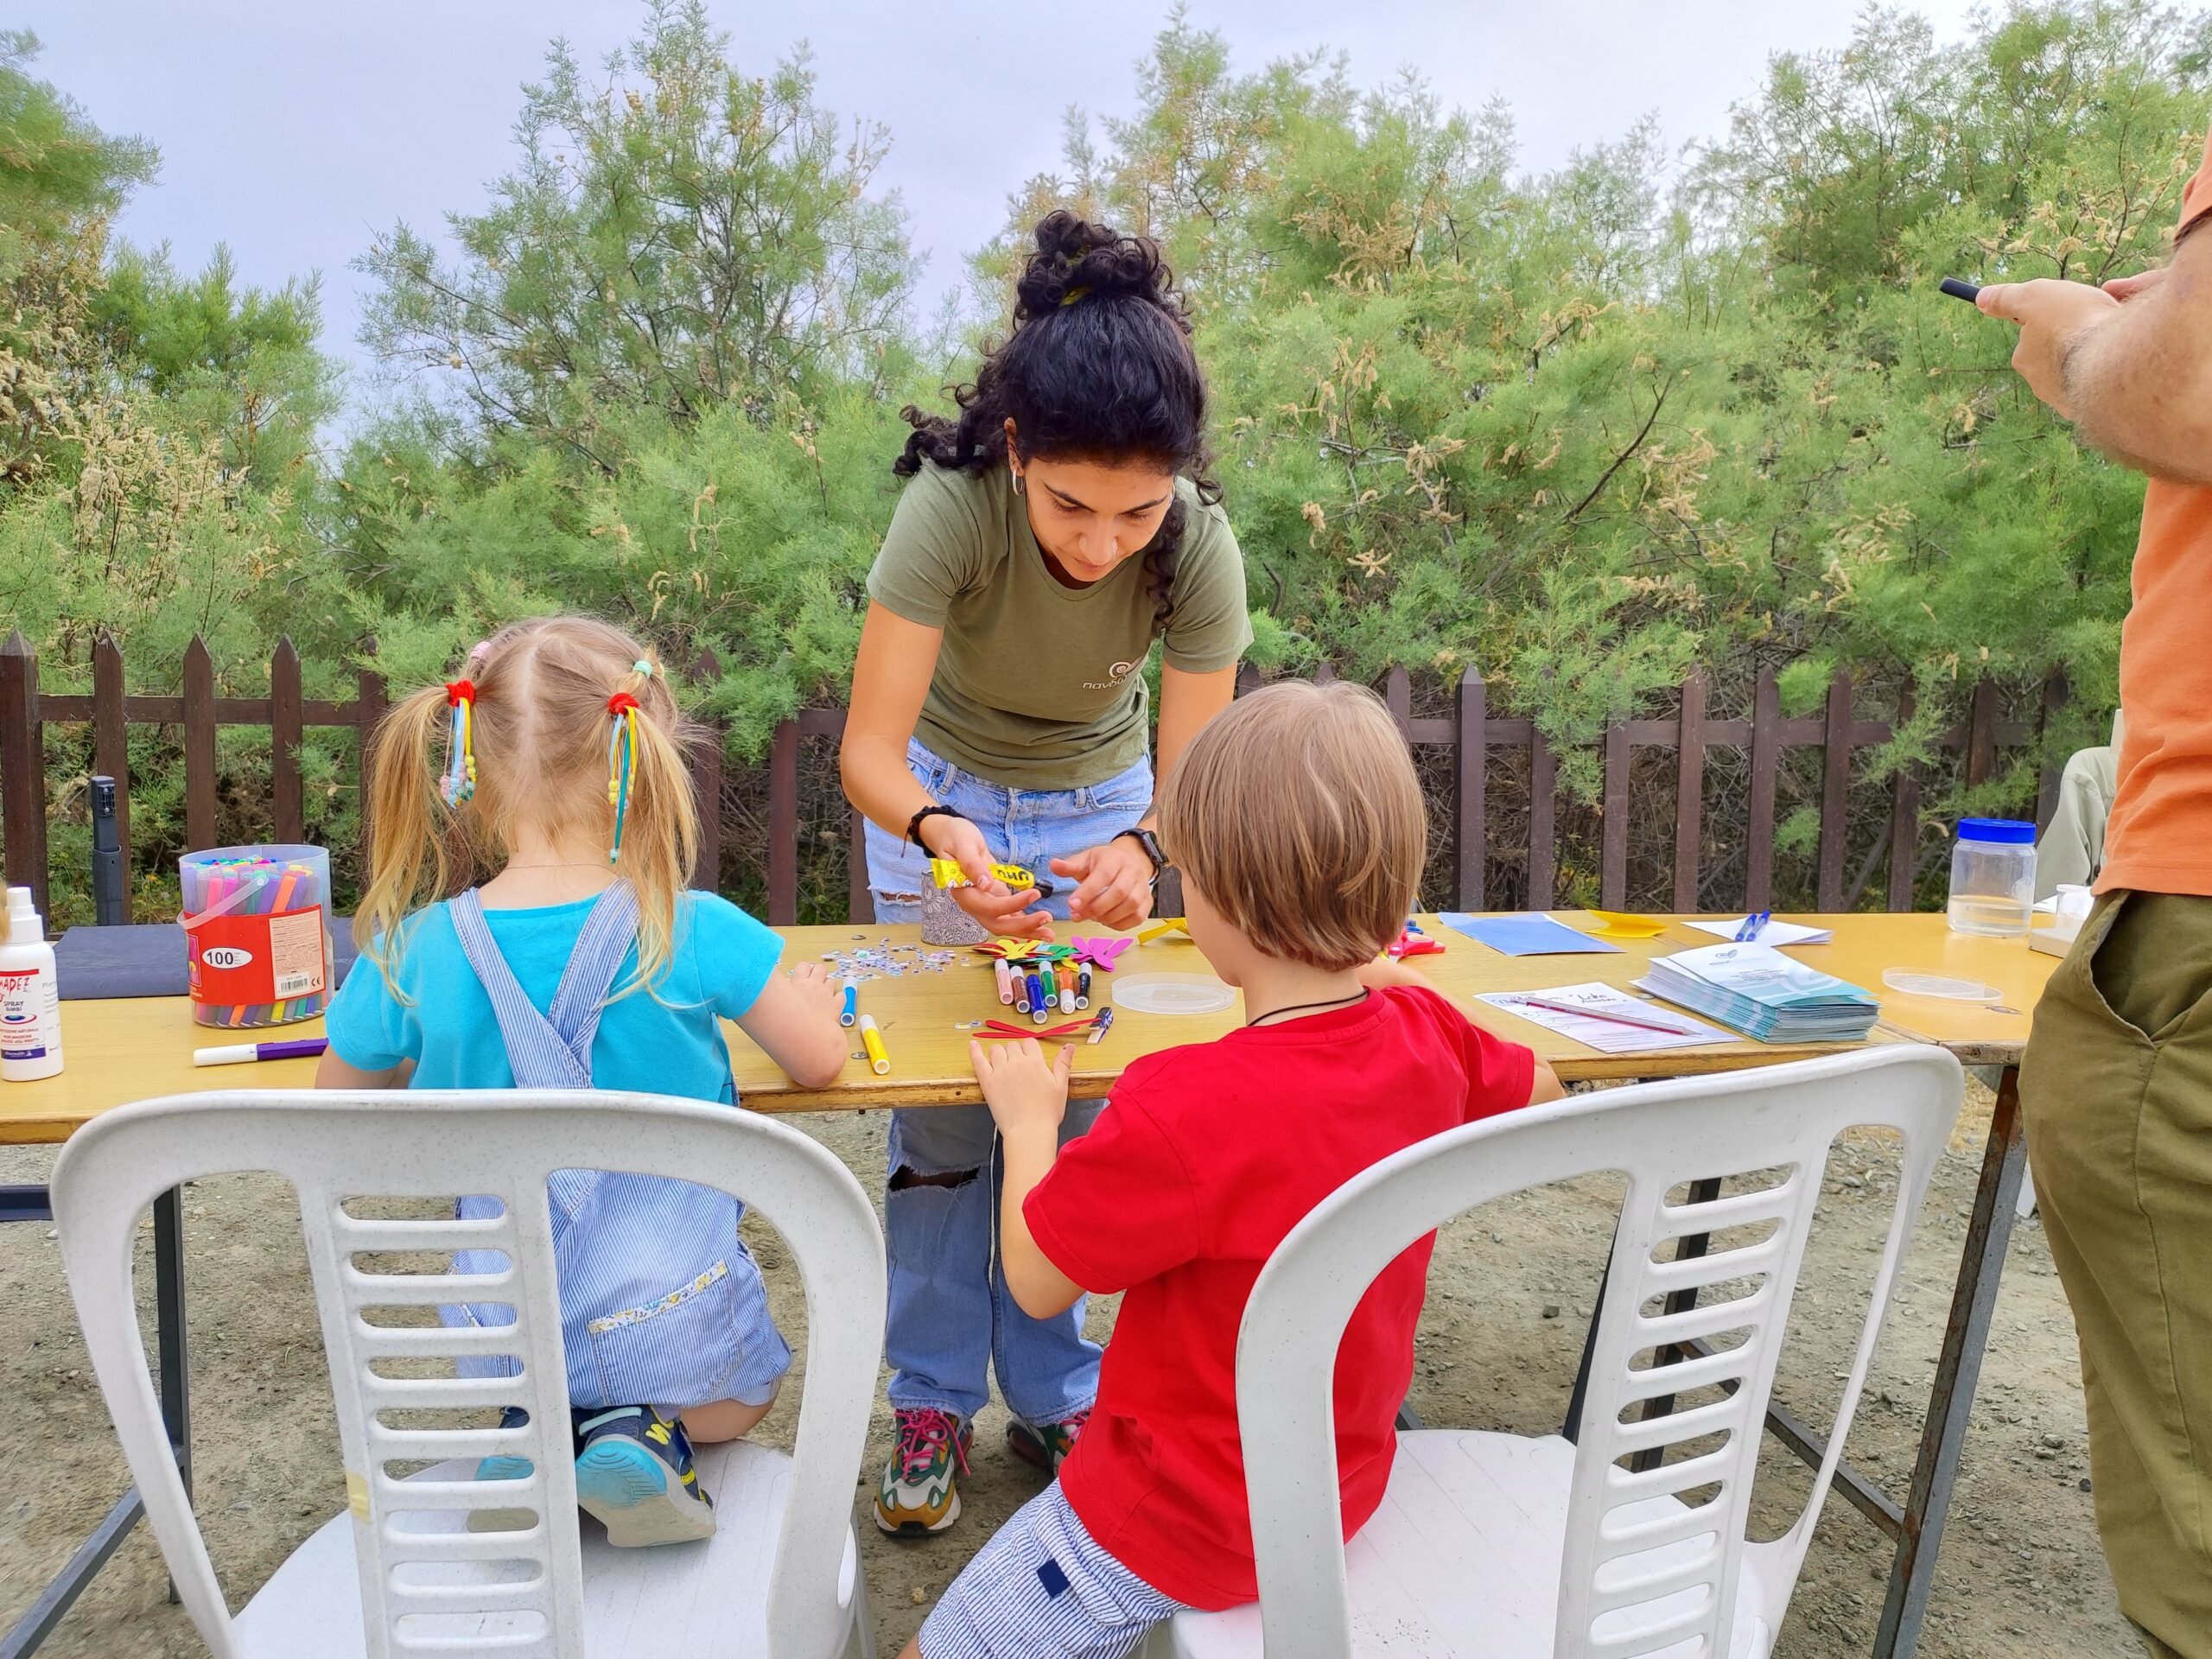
x,y
24,1011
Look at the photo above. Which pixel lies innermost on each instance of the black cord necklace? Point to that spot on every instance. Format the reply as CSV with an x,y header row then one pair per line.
x,y
1308,1007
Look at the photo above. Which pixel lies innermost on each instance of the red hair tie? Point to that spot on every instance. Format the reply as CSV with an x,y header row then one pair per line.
x,y
620,702
459,691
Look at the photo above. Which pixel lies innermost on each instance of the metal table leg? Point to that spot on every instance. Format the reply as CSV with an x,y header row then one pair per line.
x,y
1918,1527
1950,1403
32,1204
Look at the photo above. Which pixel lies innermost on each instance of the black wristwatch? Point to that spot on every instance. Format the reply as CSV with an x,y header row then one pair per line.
x,y
1150,842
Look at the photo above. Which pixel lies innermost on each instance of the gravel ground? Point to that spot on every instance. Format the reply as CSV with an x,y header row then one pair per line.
x,y
2020,1572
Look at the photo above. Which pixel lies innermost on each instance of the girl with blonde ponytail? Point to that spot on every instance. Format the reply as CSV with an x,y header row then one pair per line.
x,y
534,833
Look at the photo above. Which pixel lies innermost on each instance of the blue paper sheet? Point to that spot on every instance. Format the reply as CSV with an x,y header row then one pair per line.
x,y
1527,934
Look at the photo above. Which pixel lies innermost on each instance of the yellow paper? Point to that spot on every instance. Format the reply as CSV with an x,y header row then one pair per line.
x,y
1160,931
1623,925
356,1495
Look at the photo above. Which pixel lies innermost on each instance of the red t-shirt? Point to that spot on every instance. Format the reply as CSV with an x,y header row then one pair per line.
x,y
1206,1158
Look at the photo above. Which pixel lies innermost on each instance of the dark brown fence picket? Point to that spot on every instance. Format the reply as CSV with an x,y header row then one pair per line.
x,y
199,746
22,778
706,760
1836,794
1469,733
1689,793
111,740
285,734
1766,760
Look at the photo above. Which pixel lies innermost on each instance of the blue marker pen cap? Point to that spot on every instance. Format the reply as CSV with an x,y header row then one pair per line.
x,y
2005,831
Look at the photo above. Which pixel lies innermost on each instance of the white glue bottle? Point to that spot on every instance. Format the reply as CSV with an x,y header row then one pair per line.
x,y
30,996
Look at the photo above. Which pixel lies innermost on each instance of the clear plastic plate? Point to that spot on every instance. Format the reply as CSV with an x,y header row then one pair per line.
x,y
1912,982
1172,994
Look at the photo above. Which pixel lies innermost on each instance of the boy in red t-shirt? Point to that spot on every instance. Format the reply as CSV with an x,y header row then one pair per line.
x,y
1297,822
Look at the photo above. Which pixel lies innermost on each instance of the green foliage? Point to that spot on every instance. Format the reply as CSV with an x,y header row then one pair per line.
x,y
679,236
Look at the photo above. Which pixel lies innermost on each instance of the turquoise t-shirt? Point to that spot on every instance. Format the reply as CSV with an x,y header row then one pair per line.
x,y
663,1042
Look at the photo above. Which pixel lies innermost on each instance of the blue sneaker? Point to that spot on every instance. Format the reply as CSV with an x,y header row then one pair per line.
x,y
504,1466
634,1477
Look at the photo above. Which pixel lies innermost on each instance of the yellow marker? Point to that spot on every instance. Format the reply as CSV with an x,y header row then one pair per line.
x,y
1161,930
871,1040
947,873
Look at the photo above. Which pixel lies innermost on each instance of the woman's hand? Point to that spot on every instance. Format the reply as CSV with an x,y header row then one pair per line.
x,y
1113,883
986,898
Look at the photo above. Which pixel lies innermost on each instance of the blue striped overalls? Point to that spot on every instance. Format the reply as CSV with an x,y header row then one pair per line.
x,y
661,1303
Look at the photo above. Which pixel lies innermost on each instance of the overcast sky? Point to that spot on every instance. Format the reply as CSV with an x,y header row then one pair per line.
x,y
294,129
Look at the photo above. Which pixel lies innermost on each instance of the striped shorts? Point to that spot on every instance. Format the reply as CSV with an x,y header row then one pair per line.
x,y
1042,1586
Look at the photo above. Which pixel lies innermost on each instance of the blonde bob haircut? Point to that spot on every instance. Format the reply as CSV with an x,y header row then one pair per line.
x,y
542,730
1296,813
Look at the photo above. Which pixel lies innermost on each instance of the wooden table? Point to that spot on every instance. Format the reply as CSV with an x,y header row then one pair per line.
x,y
137,1049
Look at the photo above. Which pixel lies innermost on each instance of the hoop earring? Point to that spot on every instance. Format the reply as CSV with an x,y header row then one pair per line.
x,y
1017,481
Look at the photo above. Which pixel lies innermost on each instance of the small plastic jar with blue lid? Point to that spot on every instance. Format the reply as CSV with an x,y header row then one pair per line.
x,y
1994,877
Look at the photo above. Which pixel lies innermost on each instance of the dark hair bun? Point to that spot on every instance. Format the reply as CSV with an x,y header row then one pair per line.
x,y
1093,263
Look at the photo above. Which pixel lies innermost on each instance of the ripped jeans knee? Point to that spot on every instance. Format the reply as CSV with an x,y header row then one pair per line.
x,y
905,1176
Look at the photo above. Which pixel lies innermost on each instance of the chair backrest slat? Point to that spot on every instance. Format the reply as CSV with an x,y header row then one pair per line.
x,y
398,1382
1653,1547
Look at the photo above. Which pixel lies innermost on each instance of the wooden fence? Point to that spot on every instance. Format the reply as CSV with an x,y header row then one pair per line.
x,y
1469,734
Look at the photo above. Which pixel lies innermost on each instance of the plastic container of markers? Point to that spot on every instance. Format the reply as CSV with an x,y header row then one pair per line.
x,y
257,925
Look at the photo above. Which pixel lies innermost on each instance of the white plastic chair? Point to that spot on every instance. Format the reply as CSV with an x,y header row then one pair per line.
x,y
1506,1547
403,1575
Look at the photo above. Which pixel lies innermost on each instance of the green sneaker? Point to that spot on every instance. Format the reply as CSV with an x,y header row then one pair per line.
x,y
1045,1445
920,1492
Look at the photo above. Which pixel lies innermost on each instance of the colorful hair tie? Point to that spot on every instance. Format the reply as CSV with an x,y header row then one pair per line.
x,y
460,741
621,762
644,666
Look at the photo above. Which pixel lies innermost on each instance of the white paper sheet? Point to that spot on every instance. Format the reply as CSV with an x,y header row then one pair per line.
x,y
1774,934
1604,1035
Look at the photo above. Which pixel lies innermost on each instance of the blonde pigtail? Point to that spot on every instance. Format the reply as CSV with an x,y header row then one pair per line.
x,y
417,844
659,825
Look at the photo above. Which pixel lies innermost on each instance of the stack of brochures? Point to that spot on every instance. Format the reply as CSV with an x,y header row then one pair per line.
x,y
1762,993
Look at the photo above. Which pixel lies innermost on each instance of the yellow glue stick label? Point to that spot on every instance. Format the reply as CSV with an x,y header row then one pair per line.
x,y
947,873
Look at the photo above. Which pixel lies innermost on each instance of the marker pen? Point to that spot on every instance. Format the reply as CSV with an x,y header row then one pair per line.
x,y
1005,975
1083,989
1041,1003
1067,989
851,1010
238,1053
871,1040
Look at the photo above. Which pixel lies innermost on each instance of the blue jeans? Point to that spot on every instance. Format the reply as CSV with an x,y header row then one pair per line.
x,y
952,1321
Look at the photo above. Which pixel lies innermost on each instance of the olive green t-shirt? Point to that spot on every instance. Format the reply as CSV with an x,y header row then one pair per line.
x,y
1038,686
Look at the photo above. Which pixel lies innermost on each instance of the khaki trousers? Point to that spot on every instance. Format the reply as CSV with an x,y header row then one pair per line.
x,y
2117,1094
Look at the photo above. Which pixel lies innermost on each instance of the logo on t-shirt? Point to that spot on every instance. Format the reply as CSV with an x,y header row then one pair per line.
x,y
1116,675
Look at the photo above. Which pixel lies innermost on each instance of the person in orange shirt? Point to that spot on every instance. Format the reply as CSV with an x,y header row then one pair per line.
x,y
2117,1085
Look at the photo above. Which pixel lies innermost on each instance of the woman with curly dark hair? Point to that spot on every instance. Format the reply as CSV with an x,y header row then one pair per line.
x,y
1046,539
